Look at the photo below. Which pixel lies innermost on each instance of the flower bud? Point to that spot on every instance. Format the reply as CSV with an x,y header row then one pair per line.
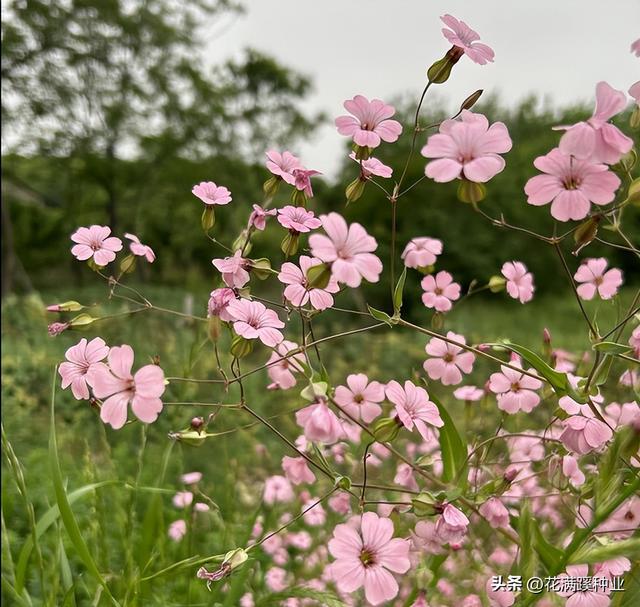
x,y
270,187
634,120
55,328
213,326
81,320
241,243
289,244
471,100
318,277
189,437
67,306
471,192
128,264
197,423
241,347
440,71
386,429
510,474
424,504
261,268
361,152
355,189
497,283
208,219
299,198
437,321
586,232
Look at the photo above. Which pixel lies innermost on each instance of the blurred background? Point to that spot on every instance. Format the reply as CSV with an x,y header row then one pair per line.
x,y
113,109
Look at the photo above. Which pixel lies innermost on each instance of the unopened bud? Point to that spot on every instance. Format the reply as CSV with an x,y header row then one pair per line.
x,y
497,283
270,187
81,320
361,152
241,347
386,429
261,268
546,336
586,232
290,243
424,504
318,277
634,120
299,198
197,423
471,192
189,437
55,328
213,326
128,264
510,474
208,219
240,243
67,306
471,100
355,189
440,71
437,321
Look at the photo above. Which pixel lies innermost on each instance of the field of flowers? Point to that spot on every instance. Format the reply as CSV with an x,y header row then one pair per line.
x,y
280,441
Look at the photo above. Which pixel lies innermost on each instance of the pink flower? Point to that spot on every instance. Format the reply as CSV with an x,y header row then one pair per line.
x,y
369,123
596,139
319,423
177,530
405,478
634,91
233,270
282,368
425,538
519,281
297,470
349,250
218,303
570,184
191,478
211,194
515,390
467,148
253,320
80,358
372,166
495,513
634,341
594,279
584,434
258,217
635,47
365,555
302,178
421,252
298,219
340,503
139,249
359,398
593,596
615,567
183,499
439,291
117,384
276,579
451,526
282,165
626,414
624,521
298,292
461,35
314,516
468,393
55,328
413,407
572,471
500,597
95,242
448,362
277,489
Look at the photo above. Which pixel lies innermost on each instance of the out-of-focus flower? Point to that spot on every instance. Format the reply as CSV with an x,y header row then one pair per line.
x,y
282,368
365,555
139,249
177,530
349,250
277,489
369,123
120,387
319,423
461,35
191,478
570,185
360,398
95,243
467,148
258,217
594,595
253,320
596,139
183,499
583,434
594,277
519,281
283,165
468,393
421,252
80,358
452,524
501,597
297,470
440,291
211,194
495,513
219,299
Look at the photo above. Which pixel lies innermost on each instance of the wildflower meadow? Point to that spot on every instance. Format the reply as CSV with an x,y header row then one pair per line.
x,y
294,435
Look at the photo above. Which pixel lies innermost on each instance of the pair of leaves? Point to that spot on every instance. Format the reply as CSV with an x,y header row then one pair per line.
x,y
397,303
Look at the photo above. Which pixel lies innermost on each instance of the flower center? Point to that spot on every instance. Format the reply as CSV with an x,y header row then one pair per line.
x,y
448,358
438,291
572,183
358,398
515,386
367,558
599,280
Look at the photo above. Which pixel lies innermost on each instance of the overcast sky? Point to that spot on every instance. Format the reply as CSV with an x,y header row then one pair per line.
x,y
381,48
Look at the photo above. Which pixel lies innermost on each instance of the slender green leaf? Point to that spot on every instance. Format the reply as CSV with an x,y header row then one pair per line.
x,y
326,599
611,347
397,293
587,555
453,448
527,561
549,554
66,514
380,315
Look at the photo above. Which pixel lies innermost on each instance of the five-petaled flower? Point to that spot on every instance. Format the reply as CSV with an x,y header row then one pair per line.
x,y
440,291
515,391
349,250
467,148
594,277
421,252
413,407
119,387
519,281
253,320
283,165
233,269
366,555
298,219
80,358
570,185
360,398
448,361
211,194
461,35
370,122
95,243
